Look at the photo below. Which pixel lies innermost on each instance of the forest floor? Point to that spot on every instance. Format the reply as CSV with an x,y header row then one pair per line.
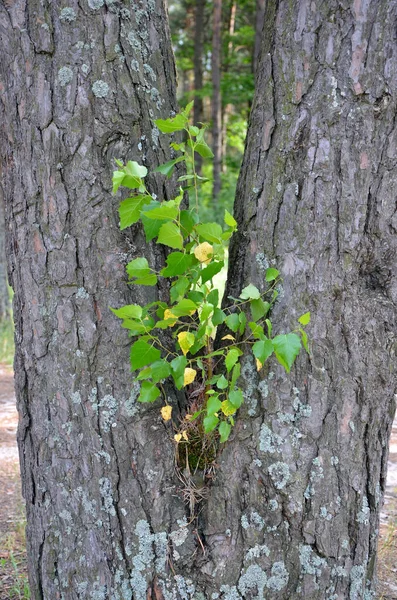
x,y
13,577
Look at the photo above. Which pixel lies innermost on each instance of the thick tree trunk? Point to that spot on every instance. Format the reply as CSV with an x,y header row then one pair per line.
x,y
316,198
216,98
4,300
80,86
293,508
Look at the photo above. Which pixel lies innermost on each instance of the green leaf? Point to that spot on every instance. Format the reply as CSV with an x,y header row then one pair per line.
x,y
250,292
236,398
130,210
222,383
259,308
262,350
212,269
188,108
164,212
177,123
211,232
168,167
235,375
232,321
136,327
243,321
205,312
193,130
257,330
213,404
230,220
188,221
170,235
177,264
218,317
161,369
224,431
134,169
305,340
304,319
151,226
139,267
142,354
271,274
130,311
210,423
286,347
178,366
178,289
232,358
184,308
149,279
149,392
269,327
197,297
203,149
117,180
213,297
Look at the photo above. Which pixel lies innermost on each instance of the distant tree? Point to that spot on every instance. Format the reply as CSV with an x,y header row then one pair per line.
x,y
216,101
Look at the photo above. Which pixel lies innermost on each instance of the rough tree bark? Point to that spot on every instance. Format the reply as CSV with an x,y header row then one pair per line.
x,y
316,198
4,300
79,87
293,508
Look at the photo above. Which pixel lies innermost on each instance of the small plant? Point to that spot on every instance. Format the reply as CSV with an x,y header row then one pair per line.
x,y
194,311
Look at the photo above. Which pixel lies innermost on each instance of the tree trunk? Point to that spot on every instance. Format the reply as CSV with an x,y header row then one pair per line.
x,y
259,22
80,86
4,300
198,68
227,111
216,98
316,198
293,508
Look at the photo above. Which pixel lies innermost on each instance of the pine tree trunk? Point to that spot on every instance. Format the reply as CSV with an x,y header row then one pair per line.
x,y
316,198
4,300
80,87
259,22
228,109
198,68
216,98
293,508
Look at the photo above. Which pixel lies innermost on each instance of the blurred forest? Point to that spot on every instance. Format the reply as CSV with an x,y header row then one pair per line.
x,y
216,46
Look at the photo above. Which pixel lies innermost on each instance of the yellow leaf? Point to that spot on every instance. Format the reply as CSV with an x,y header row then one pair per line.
x,y
203,252
166,412
184,435
189,376
259,365
178,437
228,408
229,337
169,315
186,341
